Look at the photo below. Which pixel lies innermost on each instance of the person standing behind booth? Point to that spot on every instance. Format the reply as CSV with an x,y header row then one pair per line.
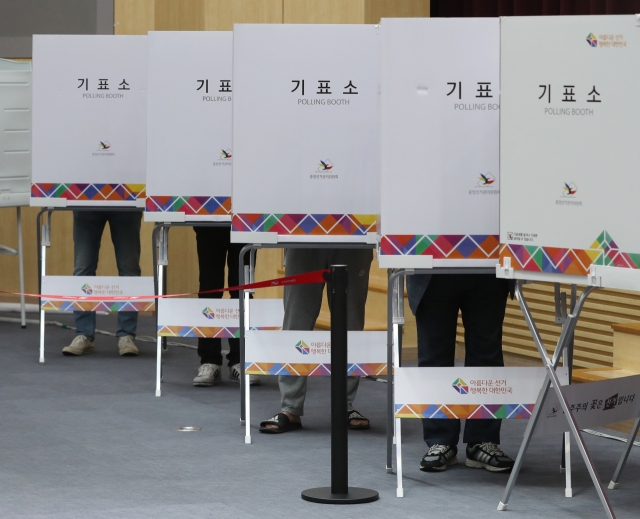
x,y
435,300
88,227
301,309
214,250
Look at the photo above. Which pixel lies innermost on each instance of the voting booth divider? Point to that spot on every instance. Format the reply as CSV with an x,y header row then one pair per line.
x,y
89,143
15,143
188,171
55,289
569,84
440,135
212,318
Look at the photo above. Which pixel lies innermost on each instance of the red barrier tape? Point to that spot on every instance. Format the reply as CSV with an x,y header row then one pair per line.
x,y
317,276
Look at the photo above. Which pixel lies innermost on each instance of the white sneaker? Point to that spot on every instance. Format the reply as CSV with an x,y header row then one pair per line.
x,y
80,345
127,347
208,375
234,375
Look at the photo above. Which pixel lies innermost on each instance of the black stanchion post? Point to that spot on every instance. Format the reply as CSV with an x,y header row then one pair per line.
x,y
339,492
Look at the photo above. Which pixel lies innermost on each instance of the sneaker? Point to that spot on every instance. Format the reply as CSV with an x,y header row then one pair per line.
x,y
127,347
488,456
234,374
208,375
439,458
80,345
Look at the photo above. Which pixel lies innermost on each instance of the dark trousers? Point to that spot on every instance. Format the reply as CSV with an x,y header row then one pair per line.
x,y
214,250
482,300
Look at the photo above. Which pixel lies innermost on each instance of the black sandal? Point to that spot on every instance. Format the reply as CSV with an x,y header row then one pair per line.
x,y
355,415
282,422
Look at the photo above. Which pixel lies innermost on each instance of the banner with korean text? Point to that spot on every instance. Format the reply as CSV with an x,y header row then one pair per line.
x,y
305,133
89,120
189,126
108,286
469,392
440,143
217,318
570,128
308,353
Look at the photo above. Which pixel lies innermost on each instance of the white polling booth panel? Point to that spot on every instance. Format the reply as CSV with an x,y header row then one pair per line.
x,y
56,288
15,133
189,126
440,143
89,123
308,353
570,150
215,318
305,133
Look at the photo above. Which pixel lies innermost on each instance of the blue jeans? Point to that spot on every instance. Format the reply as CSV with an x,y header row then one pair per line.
x,y
88,227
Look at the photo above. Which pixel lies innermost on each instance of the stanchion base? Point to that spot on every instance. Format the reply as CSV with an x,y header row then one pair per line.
x,y
354,496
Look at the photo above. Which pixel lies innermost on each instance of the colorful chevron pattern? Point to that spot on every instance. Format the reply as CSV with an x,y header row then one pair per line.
x,y
603,251
190,205
467,412
94,192
213,332
306,224
97,306
441,246
312,370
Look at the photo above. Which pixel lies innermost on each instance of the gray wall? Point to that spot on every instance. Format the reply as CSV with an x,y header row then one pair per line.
x,y
20,19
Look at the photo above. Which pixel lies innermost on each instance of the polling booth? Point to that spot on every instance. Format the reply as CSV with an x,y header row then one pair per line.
x,y
305,171
440,204
15,145
570,127
89,139
189,159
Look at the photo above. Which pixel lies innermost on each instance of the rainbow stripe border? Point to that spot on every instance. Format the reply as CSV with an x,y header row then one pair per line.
x,y
190,205
312,370
97,306
92,192
462,411
534,258
441,246
306,224
212,332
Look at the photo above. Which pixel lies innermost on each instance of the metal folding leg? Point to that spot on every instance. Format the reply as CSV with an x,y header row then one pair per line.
x,y
395,317
623,459
161,233
552,380
45,241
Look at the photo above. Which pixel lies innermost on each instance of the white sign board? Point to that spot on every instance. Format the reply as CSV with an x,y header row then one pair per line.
x,y
180,317
308,353
305,133
592,404
570,154
15,133
189,126
469,392
109,287
440,142
89,120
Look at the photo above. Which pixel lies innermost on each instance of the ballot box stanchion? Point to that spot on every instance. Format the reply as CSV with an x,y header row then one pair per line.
x,y
339,492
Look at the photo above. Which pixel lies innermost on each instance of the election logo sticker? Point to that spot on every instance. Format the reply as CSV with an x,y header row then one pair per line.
x,y
461,386
87,289
303,348
569,190
325,165
591,40
486,180
208,313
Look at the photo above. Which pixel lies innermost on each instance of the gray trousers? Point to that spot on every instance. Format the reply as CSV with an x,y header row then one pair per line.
x,y
302,306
